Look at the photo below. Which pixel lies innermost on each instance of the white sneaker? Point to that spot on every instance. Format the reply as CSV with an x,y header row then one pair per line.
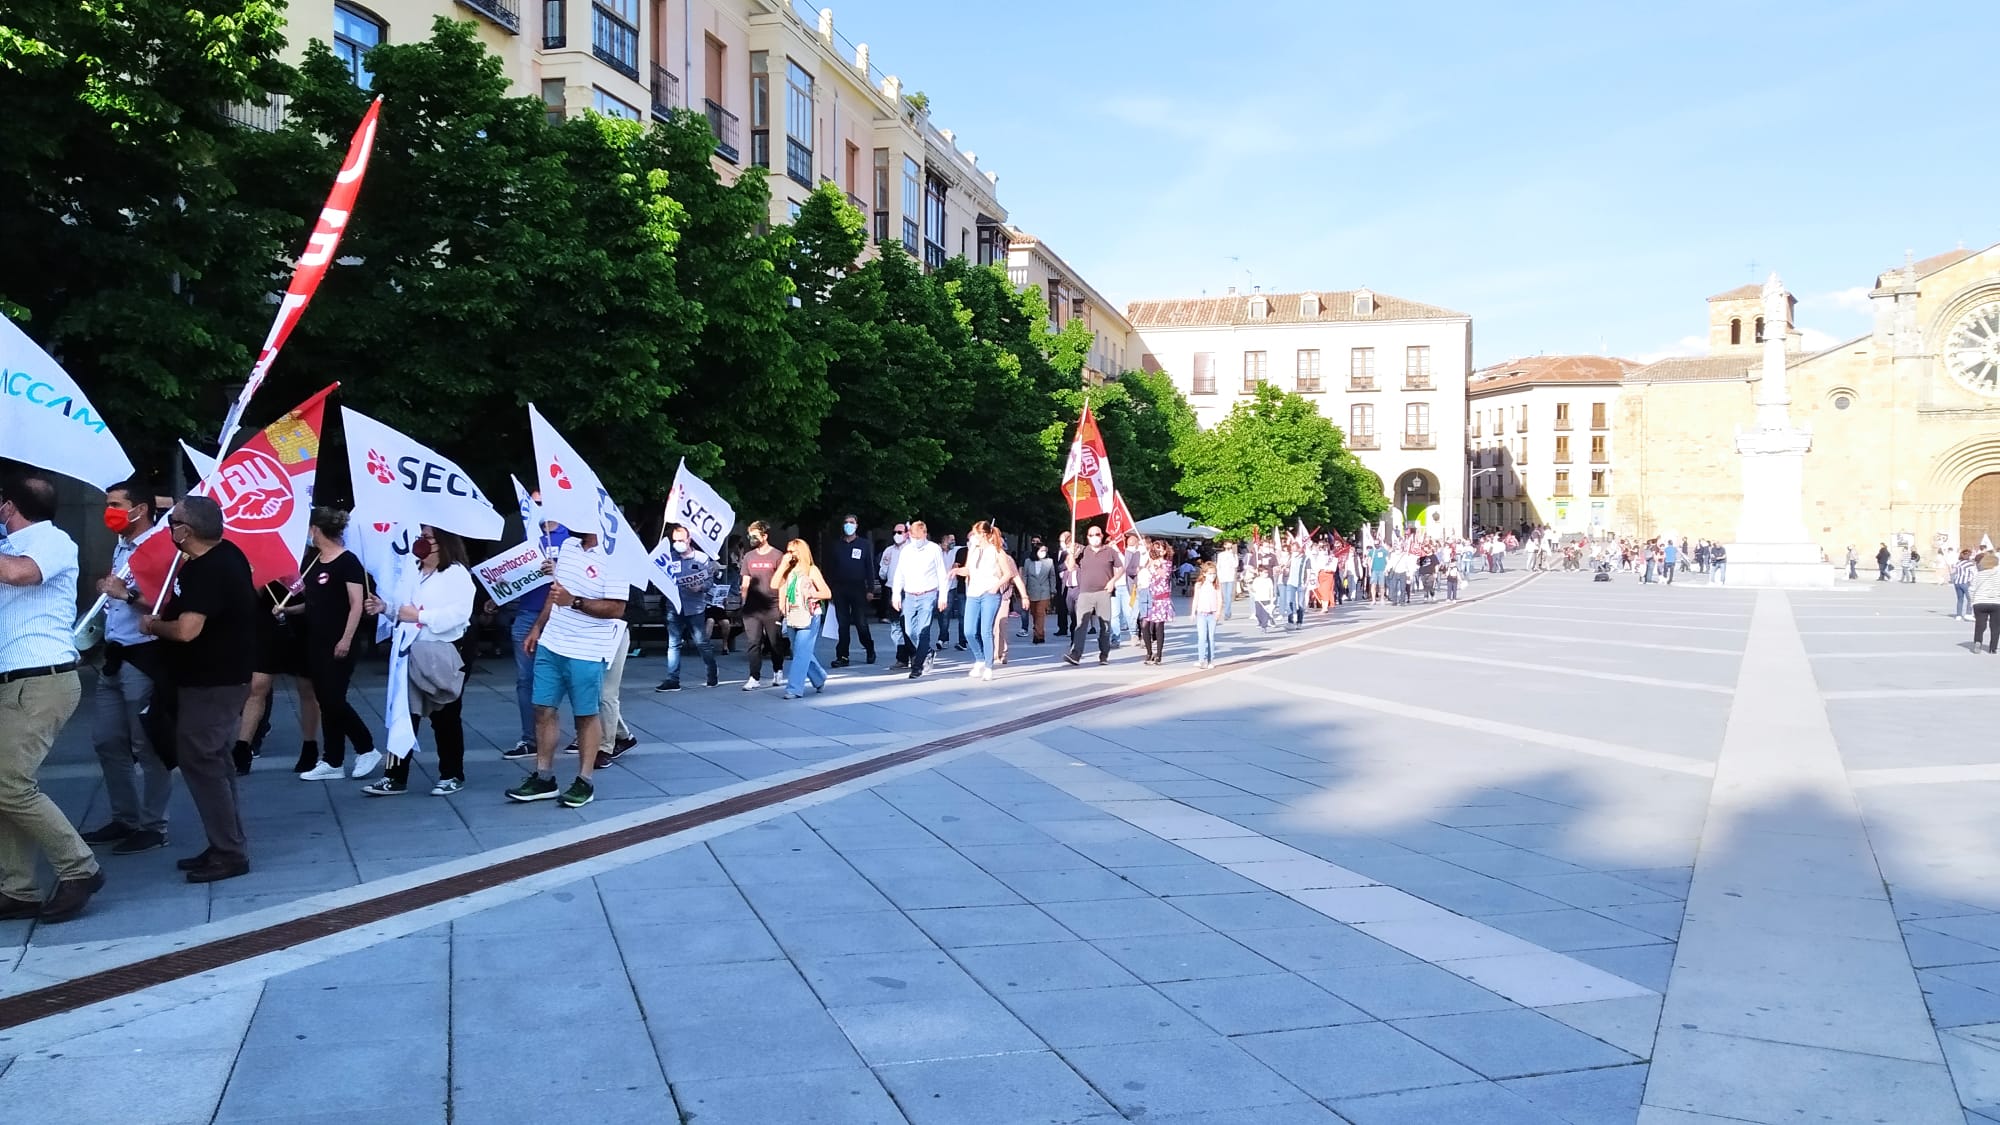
x,y
365,764
986,672
447,787
323,772
972,673
751,684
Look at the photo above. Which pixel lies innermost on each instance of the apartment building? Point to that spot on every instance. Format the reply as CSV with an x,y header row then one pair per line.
x,y
1390,372
780,86
1539,442
1032,264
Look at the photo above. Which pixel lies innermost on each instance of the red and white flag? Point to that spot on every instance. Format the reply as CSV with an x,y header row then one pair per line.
x,y
265,490
1087,479
1121,518
312,263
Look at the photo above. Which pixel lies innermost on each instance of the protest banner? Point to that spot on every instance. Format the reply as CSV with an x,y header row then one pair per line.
x,y
46,421
398,478
700,509
512,572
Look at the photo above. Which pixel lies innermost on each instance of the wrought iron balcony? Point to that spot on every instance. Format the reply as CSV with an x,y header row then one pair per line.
x,y
1417,383
1419,441
503,12
1562,424
798,162
1361,382
1363,441
724,124
666,91
1309,386
263,118
610,58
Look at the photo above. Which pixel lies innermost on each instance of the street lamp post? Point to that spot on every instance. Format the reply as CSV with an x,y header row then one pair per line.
x,y
1474,475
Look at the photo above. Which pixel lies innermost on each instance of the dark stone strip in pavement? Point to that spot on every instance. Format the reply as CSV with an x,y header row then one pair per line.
x,y
109,984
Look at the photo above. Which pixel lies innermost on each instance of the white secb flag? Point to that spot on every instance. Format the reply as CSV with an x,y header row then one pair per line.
x,y
46,421
573,496
700,509
399,478
384,551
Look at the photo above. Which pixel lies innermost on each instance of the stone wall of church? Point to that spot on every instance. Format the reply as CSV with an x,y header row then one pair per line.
x,y
1678,471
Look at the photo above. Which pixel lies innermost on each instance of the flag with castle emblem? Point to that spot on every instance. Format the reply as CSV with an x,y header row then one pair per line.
x,y
1087,479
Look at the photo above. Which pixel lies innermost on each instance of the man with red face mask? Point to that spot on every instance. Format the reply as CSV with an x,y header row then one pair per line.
x,y
137,783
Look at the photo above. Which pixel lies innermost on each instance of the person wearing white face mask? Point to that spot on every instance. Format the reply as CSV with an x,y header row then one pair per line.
x,y
886,570
442,611
850,573
1040,577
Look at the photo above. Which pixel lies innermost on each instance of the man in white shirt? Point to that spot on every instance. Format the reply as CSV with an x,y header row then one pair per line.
x,y
919,587
886,570
137,783
573,642
1226,559
39,690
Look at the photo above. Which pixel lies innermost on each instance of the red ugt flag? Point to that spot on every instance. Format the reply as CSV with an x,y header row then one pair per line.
x,y
265,490
1121,518
1087,479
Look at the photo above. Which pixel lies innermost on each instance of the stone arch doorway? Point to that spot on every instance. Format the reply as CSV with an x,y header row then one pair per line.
x,y
1979,510
1416,497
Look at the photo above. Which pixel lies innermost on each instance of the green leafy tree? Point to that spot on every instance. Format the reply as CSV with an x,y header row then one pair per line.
x,y
1273,460
1000,467
131,254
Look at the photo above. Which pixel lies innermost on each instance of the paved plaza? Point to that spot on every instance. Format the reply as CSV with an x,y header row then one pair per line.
x,y
1568,852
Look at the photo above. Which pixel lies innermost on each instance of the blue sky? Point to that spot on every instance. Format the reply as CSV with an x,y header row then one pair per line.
x,y
1578,177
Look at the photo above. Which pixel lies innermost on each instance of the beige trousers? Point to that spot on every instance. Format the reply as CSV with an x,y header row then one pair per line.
x,y
32,713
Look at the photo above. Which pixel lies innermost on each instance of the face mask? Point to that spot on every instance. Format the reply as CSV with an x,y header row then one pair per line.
x,y
681,546
117,520
848,527
756,540
900,537
420,549
1041,552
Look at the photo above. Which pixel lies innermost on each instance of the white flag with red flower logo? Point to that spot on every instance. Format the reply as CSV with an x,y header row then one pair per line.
x,y
573,497
401,480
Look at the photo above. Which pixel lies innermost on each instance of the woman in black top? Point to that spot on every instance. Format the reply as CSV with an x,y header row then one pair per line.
x,y
331,604
281,651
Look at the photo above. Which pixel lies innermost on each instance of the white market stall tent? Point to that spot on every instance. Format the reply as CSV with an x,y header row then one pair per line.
x,y
1173,525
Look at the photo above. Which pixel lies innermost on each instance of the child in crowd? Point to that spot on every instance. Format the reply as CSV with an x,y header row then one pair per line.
x,y
1264,593
1207,606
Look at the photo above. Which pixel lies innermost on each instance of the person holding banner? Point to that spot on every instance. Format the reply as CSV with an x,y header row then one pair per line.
x,y
209,624
442,611
689,568
39,689
528,610
137,781
331,602
802,598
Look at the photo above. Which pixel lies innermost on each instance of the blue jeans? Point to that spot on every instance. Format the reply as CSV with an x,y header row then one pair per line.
x,y
954,611
977,626
1204,638
1121,610
1964,593
524,675
1228,599
804,664
919,613
1288,602
684,629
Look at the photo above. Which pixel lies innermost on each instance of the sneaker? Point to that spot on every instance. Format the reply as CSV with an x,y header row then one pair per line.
x,y
387,787
364,764
521,749
840,662
1071,658
751,684
669,685
533,787
446,786
323,772
871,658
109,834
578,795
571,748
972,673
144,840
622,744
790,694
986,673
712,680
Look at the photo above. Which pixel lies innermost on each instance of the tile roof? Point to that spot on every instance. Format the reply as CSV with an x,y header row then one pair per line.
x,y
1740,292
1335,306
1695,368
1937,262
1542,369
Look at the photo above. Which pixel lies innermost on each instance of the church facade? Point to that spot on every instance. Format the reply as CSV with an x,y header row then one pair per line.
x,y
1905,420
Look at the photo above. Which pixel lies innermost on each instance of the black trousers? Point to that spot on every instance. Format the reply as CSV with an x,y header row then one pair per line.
x,y
850,604
338,721
448,728
761,633
1986,623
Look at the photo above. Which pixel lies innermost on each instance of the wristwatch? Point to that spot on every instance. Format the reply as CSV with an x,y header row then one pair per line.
x,y
131,597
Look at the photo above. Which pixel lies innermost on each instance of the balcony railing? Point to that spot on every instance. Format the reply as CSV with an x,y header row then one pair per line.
x,y
666,91
798,162
1419,441
1599,490
1363,441
1599,424
1562,457
502,12
1203,386
1562,423
263,118
1521,425
723,123
1562,491
610,58
1361,382
881,227
554,34
1309,387
854,201
1599,458
1417,383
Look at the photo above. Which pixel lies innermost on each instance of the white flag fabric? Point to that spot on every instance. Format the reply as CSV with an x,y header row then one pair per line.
x,y
46,421
399,478
573,496
401,735
204,465
531,515
1368,536
700,509
663,576
384,551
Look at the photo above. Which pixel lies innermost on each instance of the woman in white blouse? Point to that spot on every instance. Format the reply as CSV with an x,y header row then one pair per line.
x,y
441,608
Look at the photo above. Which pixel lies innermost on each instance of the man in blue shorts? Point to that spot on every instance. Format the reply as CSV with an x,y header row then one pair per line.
x,y
573,641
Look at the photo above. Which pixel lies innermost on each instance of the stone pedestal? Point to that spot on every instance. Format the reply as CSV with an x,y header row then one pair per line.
x,y
1772,548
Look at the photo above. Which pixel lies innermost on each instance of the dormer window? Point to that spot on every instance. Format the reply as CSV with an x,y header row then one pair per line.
x,y
1309,306
1259,308
1364,303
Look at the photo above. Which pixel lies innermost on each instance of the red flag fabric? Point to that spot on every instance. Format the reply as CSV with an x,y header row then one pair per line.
x,y
1087,479
312,263
265,490
1121,518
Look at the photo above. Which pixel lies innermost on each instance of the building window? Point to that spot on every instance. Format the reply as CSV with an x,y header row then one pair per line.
x,y
1520,419
1361,425
1842,402
1364,303
1521,453
1477,416
721,122
798,124
1562,449
913,204
1760,329
1256,367
552,96
1259,308
1562,416
555,30
1308,371
612,107
934,222
1417,367
1597,454
1204,373
355,32
760,108
1361,369
1417,419
614,35
1736,330
881,196
1597,413
1562,482
1309,306
1597,482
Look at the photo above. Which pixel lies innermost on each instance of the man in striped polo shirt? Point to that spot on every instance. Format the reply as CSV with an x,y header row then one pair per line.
x,y
573,642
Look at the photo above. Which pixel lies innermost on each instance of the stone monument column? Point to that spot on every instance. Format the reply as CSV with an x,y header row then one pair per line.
x,y
1772,547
